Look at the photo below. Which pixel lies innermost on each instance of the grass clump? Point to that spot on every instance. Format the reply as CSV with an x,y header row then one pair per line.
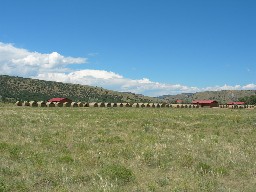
x,y
203,168
117,173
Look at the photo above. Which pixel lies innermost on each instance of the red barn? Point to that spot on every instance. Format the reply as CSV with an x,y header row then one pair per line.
x,y
60,100
236,103
206,103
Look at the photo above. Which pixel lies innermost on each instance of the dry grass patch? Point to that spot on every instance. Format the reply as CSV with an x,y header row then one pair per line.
x,y
127,149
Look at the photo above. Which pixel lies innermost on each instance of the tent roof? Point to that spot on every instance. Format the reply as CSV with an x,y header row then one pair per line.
x,y
204,101
57,99
236,103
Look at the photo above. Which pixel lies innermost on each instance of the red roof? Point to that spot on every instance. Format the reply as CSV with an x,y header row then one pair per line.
x,y
236,103
57,99
204,101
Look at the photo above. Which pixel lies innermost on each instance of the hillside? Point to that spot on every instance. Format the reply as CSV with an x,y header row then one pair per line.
x,y
18,88
220,96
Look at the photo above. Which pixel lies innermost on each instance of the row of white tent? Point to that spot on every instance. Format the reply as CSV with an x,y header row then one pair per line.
x,y
236,106
95,104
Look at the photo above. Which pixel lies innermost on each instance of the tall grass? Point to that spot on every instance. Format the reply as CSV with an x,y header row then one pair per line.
x,y
127,149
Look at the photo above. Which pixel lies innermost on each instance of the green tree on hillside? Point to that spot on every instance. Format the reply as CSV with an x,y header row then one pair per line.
x,y
251,100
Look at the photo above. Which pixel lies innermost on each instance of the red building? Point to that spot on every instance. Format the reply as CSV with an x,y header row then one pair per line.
x,y
236,103
206,103
60,100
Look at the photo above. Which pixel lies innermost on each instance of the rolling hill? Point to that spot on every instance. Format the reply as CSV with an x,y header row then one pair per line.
x,y
26,89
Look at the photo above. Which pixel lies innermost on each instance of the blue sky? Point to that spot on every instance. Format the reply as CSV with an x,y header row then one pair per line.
x,y
144,46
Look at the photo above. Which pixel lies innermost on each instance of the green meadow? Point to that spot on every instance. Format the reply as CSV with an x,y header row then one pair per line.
x,y
127,149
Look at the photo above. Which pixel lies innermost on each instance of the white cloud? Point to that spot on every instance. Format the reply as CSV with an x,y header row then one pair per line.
x,y
224,87
249,87
229,87
53,67
117,82
17,61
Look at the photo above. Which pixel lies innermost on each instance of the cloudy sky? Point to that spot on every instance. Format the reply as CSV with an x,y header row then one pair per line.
x,y
143,46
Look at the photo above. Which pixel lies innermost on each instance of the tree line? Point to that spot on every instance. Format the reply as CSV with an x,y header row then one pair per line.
x,y
250,100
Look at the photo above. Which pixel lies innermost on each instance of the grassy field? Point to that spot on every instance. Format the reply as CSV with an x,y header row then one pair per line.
x,y
127,149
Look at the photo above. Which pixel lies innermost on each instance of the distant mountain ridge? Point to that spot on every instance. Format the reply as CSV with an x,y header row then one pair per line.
x,y
223,96
27,89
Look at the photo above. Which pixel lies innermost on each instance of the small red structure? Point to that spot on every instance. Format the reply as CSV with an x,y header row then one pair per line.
x,y
236,103
60,100
179,101
206,103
